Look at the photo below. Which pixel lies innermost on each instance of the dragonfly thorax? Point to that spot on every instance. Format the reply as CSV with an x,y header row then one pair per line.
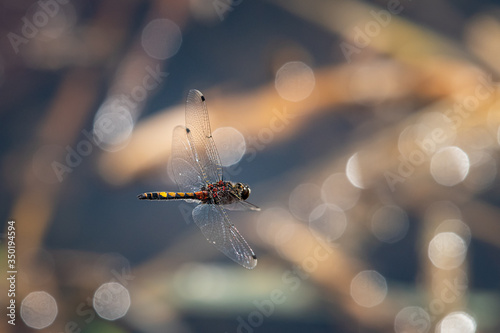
x,y
226,192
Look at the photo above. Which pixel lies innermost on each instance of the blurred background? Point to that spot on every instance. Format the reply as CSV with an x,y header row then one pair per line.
x,y
367,130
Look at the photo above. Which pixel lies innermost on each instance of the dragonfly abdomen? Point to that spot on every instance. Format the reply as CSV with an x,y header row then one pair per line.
x,y
166,195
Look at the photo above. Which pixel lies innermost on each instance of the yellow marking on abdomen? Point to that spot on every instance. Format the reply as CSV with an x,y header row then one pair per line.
x,y
163,194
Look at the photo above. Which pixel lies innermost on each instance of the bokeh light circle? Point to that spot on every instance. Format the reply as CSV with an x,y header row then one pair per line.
x,y
111,301
339,191
354,172
368,288
457,322
327,222
161,39
303,199
412,319
295,81
483,171
38,309
231,145
52,20
447,250
390,224
449,166
113,125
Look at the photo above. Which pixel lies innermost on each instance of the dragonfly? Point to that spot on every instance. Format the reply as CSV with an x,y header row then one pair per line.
x,y
197,170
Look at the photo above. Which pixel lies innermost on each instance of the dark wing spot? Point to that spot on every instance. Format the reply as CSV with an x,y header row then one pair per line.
x,y
203,98
254,256
188,130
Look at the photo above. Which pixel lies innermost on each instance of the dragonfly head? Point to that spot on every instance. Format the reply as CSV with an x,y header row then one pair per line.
x,y
243,190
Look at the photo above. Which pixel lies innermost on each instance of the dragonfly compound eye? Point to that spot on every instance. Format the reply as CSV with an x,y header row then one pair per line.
x,y
245,192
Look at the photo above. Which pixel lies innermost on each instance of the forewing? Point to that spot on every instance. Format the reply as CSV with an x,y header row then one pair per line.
x,y
185,169
216,227
200,138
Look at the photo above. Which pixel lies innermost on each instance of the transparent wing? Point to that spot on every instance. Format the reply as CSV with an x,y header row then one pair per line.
x,y
241,205
200,138
216,227
185,169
